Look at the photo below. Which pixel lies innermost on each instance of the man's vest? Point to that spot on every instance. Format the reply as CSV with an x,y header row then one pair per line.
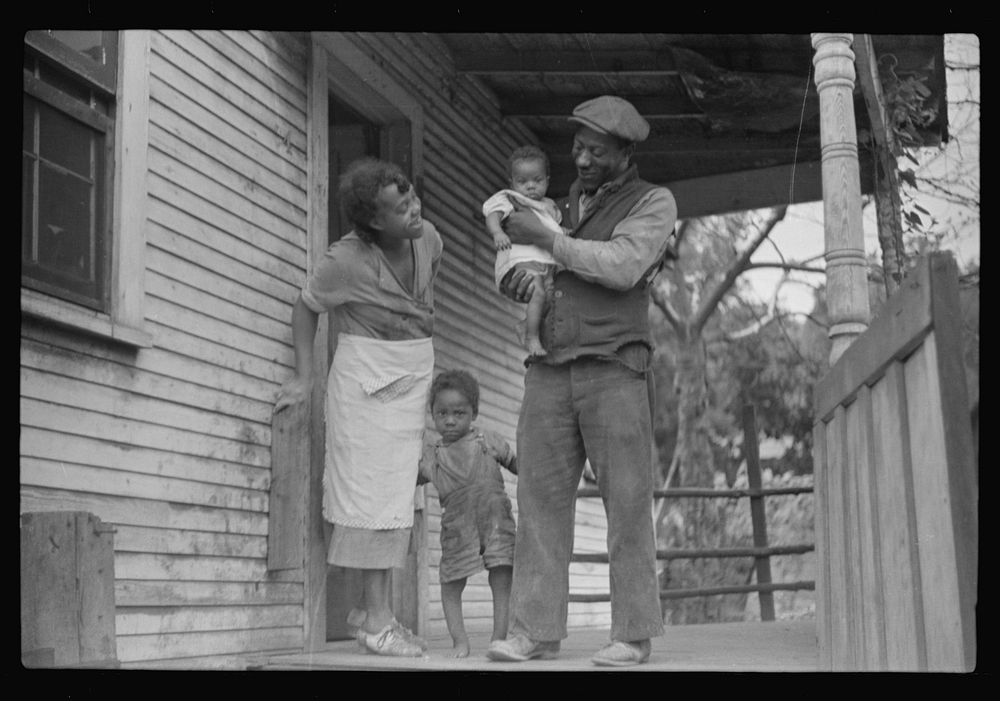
x,y
585,318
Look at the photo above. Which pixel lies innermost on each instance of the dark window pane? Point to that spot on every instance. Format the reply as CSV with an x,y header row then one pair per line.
x,y
65,224
29,124
88,43
64,233
27,207
64,82
64,141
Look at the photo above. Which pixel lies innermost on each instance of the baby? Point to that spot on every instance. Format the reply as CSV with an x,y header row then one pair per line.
x,y
529,181
477,524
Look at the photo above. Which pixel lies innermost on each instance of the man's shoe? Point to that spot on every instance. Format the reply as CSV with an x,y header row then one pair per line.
x,y
518,648
621,654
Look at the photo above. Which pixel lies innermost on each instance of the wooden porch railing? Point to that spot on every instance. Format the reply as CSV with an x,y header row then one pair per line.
x,y
761,552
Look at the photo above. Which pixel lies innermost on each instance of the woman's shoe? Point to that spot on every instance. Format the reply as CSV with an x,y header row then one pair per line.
x,y
389,641
356,619
409,634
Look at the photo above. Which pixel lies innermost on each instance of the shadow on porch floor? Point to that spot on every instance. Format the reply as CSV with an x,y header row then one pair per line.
x,y
780,646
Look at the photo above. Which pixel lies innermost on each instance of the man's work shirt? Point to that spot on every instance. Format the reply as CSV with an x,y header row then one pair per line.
x,y
638,242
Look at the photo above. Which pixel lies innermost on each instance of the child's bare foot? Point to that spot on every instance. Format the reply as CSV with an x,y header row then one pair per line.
x,y
461,648
535,346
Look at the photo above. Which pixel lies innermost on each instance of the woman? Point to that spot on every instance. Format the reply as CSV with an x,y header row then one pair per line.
x,y
377,282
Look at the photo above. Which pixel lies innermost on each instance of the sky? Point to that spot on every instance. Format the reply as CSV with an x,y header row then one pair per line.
x,y
800,235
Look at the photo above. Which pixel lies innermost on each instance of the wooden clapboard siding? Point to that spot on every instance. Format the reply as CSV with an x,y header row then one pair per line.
x,y
55,359
214,190
238,174
242,282
67,392
174,541
167,619
219,220
131,593
97,480
178,111
218,81
150,513
898,485
225,259
197,289
139,649
265,74
179,231
261,376
73,422
47,444
177,365
206,324
171,445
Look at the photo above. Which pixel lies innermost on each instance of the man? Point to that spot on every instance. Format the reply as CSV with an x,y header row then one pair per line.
x,y
589,396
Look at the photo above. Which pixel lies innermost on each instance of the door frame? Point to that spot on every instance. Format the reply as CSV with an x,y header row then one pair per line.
x,y
336,64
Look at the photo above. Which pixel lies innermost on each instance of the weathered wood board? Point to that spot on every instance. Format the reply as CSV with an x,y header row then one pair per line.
x,y
896,478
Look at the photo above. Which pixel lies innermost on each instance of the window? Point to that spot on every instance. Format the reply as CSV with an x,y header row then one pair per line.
x,y
69,86
83,197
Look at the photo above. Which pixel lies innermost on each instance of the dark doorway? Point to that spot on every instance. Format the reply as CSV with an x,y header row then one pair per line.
x,y
351,137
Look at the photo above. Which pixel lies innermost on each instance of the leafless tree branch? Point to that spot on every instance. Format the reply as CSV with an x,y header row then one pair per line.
x,y
787,267
735,270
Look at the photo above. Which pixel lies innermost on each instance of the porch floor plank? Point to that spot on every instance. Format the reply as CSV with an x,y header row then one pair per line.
x,y
780,646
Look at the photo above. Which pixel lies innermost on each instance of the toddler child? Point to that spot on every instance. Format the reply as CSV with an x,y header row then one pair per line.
x,y
529,181
477,525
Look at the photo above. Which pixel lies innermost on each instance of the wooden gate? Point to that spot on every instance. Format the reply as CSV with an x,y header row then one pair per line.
x,y
897,492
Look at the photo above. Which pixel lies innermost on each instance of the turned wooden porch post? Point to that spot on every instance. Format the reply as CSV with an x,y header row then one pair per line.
x,y
846,271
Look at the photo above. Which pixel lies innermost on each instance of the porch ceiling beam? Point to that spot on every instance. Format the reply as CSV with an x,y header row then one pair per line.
x,y
751,189
561,106
734,192
673,146
595,62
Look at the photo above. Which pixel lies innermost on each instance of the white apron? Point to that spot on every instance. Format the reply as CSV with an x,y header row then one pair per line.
x,y
376,403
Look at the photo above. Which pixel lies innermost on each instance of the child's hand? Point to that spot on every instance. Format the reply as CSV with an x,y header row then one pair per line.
x,y
501,242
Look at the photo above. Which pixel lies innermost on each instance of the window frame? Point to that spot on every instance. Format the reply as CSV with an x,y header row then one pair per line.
x,y
124,320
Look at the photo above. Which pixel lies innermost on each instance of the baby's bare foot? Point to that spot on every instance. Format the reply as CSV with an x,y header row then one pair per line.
x,y
461,649
535,347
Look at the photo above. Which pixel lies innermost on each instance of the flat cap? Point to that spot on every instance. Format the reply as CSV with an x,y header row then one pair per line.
x,y
609,114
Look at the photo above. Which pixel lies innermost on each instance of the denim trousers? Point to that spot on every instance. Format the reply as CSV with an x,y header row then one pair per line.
x,y
585,409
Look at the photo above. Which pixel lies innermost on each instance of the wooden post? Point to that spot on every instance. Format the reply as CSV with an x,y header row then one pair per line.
x,y
317,126
886,147
758,516
846,270
288,497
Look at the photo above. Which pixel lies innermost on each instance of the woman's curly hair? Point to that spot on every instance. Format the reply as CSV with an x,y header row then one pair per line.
x,y
359,188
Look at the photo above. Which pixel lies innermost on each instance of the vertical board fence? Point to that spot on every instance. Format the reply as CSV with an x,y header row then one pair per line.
x,y
896,523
